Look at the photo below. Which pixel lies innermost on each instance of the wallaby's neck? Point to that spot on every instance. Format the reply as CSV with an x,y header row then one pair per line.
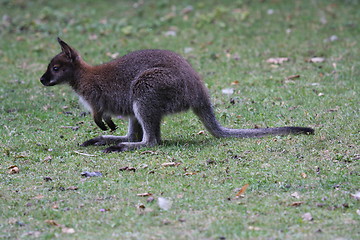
x,y
82,72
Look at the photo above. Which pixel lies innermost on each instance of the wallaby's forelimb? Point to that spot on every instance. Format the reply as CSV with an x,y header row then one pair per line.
x,y
99,121
110,123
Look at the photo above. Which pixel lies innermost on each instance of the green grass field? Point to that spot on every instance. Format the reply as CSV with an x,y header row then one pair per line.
x,y
300,187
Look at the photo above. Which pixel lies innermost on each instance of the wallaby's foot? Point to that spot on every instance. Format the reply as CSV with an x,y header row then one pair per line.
x,y
129,146
116,148
105,140
98,141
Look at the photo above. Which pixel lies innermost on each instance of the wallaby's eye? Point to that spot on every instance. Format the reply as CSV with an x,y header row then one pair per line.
x,y
56,68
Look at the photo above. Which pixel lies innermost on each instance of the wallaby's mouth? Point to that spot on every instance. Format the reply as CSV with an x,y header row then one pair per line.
x,y
47,83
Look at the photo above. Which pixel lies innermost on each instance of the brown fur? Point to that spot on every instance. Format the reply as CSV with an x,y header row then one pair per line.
x,y
144,85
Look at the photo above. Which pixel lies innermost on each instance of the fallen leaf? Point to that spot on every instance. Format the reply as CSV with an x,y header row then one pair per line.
x,y
295,195
84,154
316,60
150,199
141,206
356,195
190,173
144,194
39,197
52,222
91,174
295,204
47,179
235,82
307,217
47,159
67,230
149,152
333,38
254,228
242,190
337,108
303,175
164,203
74,128
279,60
129,169
13,169
170,33
143,166
227,91
292,77
170,164
72,188
112,55
104,209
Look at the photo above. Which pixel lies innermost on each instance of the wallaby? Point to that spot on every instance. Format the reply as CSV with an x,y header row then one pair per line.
x,y
145,86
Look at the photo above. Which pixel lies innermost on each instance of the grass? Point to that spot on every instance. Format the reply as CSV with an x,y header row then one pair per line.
x,y
228,43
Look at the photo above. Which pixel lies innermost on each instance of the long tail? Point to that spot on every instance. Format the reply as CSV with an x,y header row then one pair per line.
x,y
207,116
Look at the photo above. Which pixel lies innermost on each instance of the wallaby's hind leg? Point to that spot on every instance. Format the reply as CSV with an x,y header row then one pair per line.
x,y
134,134
150,120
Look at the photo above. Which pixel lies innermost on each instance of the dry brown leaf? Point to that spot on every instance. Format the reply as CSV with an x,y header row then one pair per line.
x,y
13,169
140,206
144,194
279,60
170,164
303,175
295,204
292,77
337,108
129,169
52,222
190,173
242,190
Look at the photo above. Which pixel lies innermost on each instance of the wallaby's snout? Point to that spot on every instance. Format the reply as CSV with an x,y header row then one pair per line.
x,y
45,79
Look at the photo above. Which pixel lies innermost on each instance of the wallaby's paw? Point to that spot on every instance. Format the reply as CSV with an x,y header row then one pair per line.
x,y
116,148
98,141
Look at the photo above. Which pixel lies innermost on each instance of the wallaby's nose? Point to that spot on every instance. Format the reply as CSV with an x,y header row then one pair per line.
x,y
43,80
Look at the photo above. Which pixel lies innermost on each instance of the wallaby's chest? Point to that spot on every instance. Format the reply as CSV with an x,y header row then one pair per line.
x,y
86,104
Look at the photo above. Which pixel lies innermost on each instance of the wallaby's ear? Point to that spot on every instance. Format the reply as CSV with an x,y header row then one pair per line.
x,y
69,51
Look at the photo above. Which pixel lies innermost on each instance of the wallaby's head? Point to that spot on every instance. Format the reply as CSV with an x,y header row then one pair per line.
x,y
62,67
